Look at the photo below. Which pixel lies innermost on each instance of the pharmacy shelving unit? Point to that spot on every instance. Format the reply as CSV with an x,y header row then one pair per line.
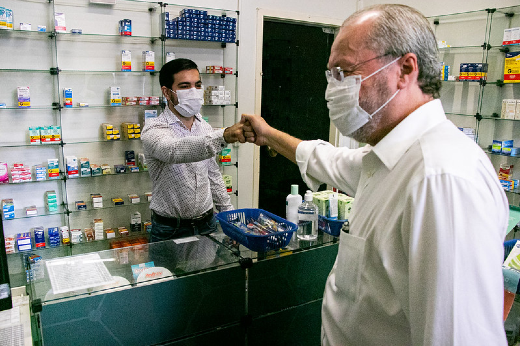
x,y
476,37
90,63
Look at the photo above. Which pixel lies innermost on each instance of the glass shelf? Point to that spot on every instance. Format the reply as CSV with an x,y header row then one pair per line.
x,y
24,70
498,118
30,108
510,9
487,151
107,106
107,204
462,114
129,73
43,251
102,141
26,33
444,49
20,213
25,144
34,181
115,38
105,175
515,191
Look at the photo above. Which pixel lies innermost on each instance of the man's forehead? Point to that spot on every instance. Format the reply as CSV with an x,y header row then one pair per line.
x,y
349,46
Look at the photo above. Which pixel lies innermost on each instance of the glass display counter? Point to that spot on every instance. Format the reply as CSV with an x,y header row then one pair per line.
x,y
195,287
199,290
285,289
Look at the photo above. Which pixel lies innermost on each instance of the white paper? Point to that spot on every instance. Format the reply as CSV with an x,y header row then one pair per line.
x,y
78,272
185,240
12,336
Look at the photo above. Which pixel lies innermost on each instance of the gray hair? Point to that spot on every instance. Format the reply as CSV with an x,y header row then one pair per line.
x,y
400,29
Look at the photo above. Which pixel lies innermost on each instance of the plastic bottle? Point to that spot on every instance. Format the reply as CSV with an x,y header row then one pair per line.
x,y
307,219
292,202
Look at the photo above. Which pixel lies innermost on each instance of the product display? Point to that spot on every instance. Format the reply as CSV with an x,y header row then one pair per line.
x,y
148,60
67,97
511,36
228,181
198,25
217,95
59,22
78,158
8,209
24,97
125,27
473,72
224,158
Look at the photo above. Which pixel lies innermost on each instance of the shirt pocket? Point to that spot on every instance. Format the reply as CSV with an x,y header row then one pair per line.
x,y
349,264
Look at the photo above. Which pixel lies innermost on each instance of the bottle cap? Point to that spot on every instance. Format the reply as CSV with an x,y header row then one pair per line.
x,y
308,196
294,189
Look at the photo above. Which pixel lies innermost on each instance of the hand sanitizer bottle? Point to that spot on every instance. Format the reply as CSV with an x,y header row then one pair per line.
x,y
307,219
292,202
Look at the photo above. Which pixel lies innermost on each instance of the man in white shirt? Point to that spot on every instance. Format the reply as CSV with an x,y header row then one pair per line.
x,y
180,149
421,264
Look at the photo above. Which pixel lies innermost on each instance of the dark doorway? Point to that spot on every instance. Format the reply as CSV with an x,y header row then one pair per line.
x,y
294,61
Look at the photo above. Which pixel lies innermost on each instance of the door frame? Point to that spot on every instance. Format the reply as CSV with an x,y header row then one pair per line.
x,y
287,17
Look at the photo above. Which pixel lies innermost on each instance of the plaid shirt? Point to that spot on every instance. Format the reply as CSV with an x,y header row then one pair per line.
x,y
186,178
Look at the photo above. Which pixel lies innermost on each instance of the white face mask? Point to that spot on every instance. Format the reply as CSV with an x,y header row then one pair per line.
x,y
343,102
190,101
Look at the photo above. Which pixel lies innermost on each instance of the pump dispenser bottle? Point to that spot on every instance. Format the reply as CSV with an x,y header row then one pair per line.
x,y
292,202
307,219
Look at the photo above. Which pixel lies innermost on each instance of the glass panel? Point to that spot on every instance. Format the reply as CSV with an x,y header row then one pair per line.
x,y
469,26
294,246
172,258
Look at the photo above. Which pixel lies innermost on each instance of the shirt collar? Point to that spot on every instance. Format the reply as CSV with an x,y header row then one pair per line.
x,y
393,146
172,118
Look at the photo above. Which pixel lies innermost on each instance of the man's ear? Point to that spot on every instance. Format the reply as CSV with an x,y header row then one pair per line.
x,y
409,71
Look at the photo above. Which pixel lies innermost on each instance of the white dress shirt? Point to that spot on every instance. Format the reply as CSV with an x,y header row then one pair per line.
x,y
185,176
422,262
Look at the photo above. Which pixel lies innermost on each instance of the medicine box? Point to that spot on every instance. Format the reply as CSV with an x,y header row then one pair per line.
x,y
23,241
34,135
4,173
126,60
59,22
148,60
115,96
53,169
97,200
67,97
8,208
39,237
3,21
498,145
508,109
24,97
512,67
84,164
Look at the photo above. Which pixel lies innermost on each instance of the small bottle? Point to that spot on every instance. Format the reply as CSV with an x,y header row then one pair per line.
x,y
307,219
292,202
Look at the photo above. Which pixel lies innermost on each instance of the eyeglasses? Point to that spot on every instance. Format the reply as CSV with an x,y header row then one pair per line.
x,y
337,72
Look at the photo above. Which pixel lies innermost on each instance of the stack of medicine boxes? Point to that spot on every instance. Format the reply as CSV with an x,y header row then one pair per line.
x,y
199,26
51,201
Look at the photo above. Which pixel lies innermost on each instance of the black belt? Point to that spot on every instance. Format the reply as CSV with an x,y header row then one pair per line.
x,y
176,222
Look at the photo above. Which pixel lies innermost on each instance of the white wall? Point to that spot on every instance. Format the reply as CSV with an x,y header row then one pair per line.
x,y
437,7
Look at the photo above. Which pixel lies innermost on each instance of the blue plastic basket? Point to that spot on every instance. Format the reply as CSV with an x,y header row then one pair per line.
x,y
330,226
258,243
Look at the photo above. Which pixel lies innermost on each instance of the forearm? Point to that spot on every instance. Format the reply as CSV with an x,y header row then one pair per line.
x,y
283,143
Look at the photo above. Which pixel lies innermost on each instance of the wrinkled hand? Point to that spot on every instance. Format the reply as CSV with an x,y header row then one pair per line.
x,y
256,130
